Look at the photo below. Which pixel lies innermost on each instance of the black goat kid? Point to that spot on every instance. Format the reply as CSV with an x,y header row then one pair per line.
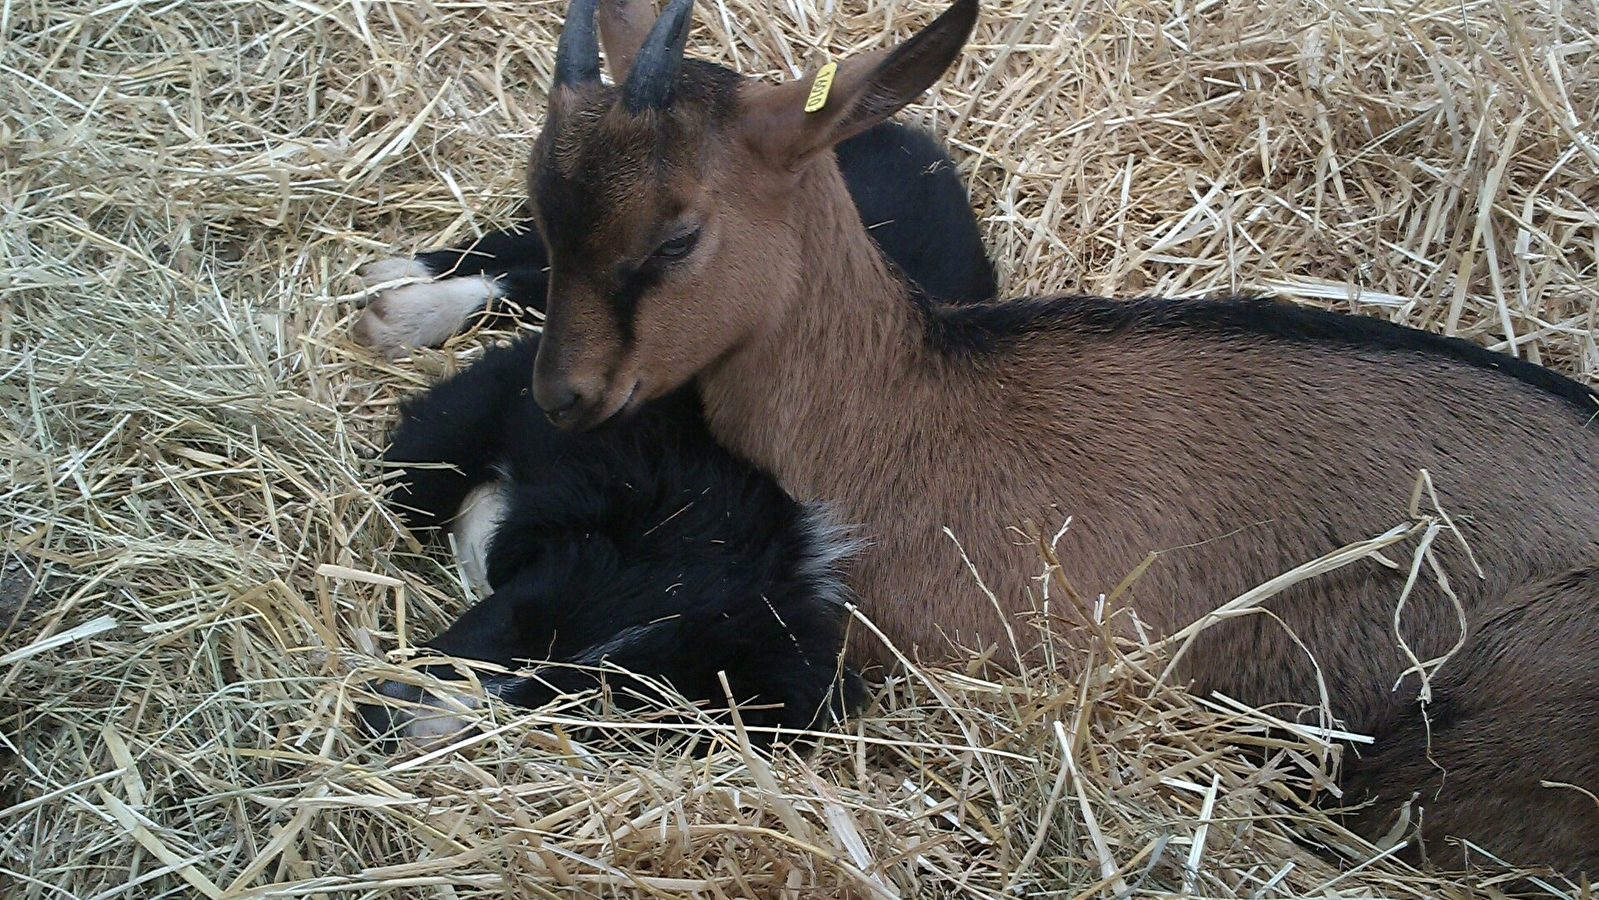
x,y
644,547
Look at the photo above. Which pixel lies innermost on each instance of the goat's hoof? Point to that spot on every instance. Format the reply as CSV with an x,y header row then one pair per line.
x,y
417,315
406,713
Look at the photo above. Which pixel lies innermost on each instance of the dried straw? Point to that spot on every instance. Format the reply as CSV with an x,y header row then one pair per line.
x,y
197,573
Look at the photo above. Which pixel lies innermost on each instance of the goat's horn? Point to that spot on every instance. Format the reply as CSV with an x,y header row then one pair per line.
x,y
649,82
577,55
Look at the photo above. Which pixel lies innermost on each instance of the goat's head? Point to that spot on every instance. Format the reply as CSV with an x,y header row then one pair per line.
x,y
666,202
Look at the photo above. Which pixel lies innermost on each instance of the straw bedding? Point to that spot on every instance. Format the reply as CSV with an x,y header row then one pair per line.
x,y
197,573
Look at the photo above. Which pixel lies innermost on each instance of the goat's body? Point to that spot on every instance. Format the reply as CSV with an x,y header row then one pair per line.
x,y
1239,438
1249,447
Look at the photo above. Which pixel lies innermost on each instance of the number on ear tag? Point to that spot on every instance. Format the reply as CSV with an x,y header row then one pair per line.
x,y
820,87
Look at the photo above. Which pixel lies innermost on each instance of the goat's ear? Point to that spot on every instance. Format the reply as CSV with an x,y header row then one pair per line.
x,y
864,91
623,27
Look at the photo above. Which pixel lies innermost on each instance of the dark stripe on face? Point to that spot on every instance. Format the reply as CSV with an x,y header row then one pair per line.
x,y
564,208
624,300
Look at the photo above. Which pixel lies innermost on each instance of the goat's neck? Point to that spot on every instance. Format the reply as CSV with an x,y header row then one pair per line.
x,y
844,367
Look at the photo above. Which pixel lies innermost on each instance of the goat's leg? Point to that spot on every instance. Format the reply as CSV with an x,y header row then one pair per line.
x,y
502,272
1517,707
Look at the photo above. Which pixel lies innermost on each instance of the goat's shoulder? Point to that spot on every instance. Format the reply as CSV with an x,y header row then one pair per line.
x,y
987,328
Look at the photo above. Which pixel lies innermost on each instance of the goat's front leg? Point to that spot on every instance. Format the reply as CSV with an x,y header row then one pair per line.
x,y
502,272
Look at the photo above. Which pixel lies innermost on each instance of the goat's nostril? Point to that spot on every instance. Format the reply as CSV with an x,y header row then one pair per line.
x,y
561,400
556,397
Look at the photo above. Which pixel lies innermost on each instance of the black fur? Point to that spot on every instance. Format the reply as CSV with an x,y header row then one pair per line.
x,y
644,535
915,207
905,186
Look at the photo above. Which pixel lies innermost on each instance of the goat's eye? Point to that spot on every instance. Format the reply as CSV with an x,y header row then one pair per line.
x,y
677,247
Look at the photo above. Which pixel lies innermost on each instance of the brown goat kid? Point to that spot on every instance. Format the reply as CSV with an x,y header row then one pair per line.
x,y
698,230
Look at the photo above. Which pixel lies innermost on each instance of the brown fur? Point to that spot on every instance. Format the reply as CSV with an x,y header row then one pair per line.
x,y
1238,454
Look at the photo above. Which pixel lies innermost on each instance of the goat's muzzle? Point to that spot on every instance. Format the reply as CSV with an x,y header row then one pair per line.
x,y
570,404
577,398
556,397
580,404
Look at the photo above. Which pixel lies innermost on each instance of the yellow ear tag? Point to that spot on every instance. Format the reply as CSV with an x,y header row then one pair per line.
x,y
820,87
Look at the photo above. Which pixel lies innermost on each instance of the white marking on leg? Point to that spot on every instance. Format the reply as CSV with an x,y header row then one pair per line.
x,y
422,315
425,718
473,528
437,721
